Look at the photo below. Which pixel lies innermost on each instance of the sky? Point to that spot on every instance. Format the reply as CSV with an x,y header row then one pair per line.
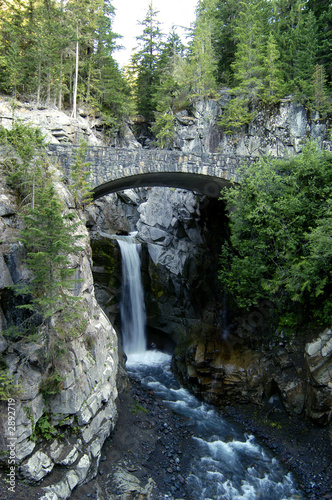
x,y
129,12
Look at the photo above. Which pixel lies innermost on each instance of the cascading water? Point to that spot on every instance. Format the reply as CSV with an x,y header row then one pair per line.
x,y
228,465
225,463
132,301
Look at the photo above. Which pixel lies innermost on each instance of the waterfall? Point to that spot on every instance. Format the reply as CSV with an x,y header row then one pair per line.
x,y
132,299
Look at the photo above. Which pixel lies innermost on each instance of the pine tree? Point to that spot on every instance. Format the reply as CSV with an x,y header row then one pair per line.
x,y
227,12
320,99
295,31
273,82
49,237
202,59
13,43
248,66
145,62
322,10
306,56
172,91
79,185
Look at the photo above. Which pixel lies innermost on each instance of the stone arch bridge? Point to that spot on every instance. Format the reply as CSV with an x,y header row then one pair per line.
x,y
115,169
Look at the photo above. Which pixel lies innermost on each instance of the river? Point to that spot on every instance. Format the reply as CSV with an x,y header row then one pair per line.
x,y
228,464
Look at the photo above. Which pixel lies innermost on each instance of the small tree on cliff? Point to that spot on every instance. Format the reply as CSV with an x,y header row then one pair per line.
x,y
50,238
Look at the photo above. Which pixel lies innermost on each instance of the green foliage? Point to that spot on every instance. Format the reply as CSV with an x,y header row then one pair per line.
x,y
25,139
25,147
202,57
145,62
319,99
281,234
44,429
139,408
164,129
79,186
52,384
236,114
48,47
8,388
50,238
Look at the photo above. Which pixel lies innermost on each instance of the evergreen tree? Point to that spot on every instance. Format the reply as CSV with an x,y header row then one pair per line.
x,y
249,64
13,46
273,82
280,245
320,100
50,237
202,58
306,57
145,62
322,10
172,91
227,12
295,31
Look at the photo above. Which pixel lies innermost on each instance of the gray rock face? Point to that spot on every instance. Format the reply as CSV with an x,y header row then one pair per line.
x,y
129,486
180,266
37,467
168,224
278,131
87,400
318,357
228,370
58,126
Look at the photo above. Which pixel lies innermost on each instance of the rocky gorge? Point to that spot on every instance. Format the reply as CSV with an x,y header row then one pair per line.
x,y
221,360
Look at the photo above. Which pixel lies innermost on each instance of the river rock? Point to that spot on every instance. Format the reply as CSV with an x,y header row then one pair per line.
x,y
129,486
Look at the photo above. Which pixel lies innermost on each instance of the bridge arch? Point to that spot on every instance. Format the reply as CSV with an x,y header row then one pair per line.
x,y
116,169
203,184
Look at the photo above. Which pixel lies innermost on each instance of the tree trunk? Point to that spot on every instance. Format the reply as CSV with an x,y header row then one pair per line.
x,y
60,85
74,112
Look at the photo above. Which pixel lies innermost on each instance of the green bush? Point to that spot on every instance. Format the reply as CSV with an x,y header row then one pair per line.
x,y
281,233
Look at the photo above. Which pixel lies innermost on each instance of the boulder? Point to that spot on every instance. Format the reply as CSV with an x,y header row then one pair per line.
x,y
129,487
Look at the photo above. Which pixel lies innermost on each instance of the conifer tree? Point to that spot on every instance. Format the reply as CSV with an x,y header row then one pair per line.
x,y
13,35
305,57
227,12
203,60
273,82
145,62
295,31
320,100
172,90
248,66
50,238
322,10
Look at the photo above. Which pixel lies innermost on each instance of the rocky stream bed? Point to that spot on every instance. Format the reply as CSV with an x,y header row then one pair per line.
x,y
148,455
